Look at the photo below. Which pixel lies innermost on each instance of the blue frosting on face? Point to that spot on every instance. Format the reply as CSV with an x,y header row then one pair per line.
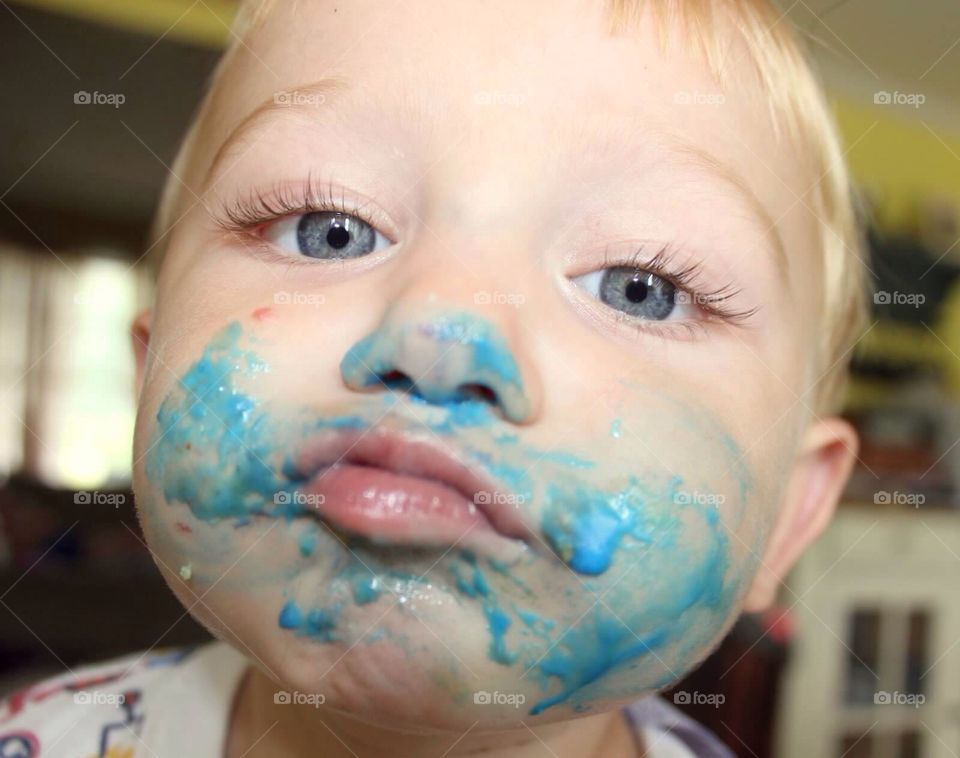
x,y
586,654
366,589
498,623
210,450
308,543
585,526
482,354
291,617
215,450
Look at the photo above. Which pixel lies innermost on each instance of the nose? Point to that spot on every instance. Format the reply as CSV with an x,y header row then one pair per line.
x,y
442,357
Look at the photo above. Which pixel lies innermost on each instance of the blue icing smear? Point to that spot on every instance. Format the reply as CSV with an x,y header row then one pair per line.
x,y
366,589
488,361
498,623
291,616
602,643
584,655
321,622
585,526
616,428
317,622
210,414
308,543
214,451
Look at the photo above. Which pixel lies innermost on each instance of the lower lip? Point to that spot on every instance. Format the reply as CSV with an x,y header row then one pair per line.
x,y
387,507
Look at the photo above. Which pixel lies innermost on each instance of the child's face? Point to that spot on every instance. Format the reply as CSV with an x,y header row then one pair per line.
x,y
614,453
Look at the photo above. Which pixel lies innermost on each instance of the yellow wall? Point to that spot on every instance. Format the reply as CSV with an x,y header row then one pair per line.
x,y
204,23
901,159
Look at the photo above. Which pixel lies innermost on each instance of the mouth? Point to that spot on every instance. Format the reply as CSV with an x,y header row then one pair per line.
x,y
396,489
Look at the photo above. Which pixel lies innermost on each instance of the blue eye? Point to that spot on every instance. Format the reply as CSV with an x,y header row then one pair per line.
x,y
638,293
329,235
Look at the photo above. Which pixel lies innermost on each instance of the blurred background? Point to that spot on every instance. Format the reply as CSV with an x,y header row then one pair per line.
x,y
861,657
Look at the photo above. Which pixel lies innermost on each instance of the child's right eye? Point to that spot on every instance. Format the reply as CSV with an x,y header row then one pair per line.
x,y
329,235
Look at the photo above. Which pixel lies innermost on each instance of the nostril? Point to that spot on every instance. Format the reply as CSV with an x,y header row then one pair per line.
x,y
479,392
396,380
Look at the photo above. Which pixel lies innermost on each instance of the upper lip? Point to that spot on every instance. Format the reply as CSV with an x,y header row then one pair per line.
x,y
403,453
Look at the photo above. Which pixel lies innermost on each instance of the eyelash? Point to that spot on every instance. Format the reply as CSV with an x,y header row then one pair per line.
x,y
685,277
246,217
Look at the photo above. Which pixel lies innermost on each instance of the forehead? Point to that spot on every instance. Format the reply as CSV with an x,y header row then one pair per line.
x,y
432,58
542,80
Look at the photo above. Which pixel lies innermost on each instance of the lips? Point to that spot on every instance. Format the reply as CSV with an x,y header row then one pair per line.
x,y
394,488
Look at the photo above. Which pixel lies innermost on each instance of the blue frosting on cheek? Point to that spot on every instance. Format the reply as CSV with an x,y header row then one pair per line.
x,y
686,611
684,552
291,617
211,448
585,527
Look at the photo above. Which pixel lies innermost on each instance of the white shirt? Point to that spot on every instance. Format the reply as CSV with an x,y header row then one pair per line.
x,y
158,705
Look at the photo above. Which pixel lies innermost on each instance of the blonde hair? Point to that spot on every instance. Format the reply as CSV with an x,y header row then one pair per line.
x,y
798,110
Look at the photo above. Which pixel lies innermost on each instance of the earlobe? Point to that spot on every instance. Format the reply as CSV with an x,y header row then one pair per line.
x,y
819,475
140,331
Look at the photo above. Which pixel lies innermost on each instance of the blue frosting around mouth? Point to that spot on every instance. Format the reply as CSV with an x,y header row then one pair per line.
x,y
215,450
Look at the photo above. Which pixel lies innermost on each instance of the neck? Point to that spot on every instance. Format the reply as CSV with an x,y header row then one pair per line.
x,y
260,728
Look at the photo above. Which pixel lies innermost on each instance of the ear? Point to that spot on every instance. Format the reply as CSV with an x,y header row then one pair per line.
x,y
819,475
140,340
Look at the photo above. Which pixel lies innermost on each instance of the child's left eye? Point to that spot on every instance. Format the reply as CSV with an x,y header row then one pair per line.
x,y
638,293
326,234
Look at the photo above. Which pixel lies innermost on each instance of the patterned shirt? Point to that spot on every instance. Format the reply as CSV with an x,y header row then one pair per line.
x,y
177,704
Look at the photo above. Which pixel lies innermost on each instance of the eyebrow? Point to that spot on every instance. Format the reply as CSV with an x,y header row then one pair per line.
x,y
332,87
701,159
329,88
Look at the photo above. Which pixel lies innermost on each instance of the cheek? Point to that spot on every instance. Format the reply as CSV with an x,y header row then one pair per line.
x,y
662,539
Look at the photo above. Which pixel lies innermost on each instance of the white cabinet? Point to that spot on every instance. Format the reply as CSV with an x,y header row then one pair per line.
x,y
874,670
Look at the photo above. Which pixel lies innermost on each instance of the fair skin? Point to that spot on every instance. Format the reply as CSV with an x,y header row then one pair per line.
x,y
502,161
